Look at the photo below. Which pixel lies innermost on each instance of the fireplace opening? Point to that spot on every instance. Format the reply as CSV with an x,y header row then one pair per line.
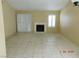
x,y
39,28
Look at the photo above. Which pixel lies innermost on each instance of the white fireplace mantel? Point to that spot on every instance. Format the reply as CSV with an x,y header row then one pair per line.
x,y
40,24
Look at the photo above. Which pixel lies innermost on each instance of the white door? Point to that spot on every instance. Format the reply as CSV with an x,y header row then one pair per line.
x,y
24,22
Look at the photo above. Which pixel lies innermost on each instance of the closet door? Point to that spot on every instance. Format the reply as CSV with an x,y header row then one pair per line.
x,y
24,22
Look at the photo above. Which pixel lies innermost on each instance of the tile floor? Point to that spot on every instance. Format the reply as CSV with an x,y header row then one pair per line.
x,y
40,45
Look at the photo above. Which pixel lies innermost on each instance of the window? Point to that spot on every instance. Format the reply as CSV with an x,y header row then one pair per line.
x,y
51,20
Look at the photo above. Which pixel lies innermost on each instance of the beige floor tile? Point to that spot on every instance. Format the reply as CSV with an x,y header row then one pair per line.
x,y
40,45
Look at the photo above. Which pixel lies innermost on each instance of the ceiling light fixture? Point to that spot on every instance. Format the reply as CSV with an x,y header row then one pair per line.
x,y
75,2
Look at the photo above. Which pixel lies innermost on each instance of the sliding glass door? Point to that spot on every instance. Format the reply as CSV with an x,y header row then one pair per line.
x,y
24,22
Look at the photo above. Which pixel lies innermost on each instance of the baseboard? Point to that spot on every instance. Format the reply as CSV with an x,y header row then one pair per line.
x,y
10,36
70,39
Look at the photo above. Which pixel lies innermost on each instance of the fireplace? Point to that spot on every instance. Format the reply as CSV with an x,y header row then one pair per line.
x,y
40,27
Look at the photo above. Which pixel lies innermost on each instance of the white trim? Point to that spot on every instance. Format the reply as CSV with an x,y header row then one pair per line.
x,y
40,24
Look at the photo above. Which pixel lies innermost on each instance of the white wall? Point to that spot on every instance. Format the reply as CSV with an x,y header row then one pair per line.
x,y
2,35
70,22
9,19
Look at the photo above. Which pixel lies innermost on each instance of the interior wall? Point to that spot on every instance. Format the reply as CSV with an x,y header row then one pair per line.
x,y
2,34
9,19
42,17
70,22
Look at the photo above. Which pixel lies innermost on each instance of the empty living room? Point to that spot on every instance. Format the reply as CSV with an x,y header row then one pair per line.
x,y
39,28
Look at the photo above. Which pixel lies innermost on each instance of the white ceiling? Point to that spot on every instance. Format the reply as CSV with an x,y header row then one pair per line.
x,y
38,4
74,0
